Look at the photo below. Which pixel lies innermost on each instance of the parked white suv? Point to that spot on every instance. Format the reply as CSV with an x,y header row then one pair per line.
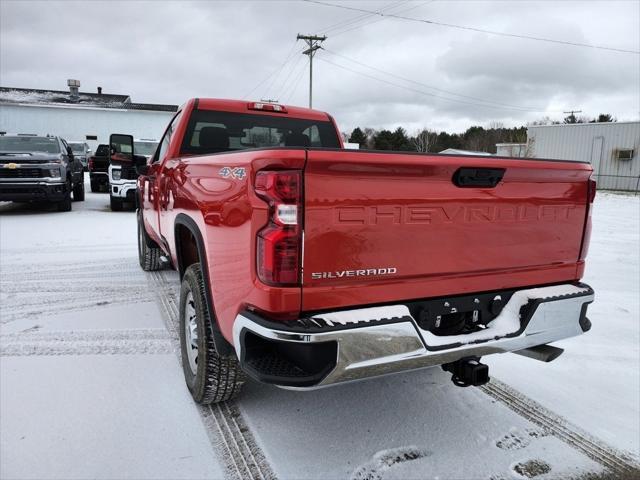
x,y
123,176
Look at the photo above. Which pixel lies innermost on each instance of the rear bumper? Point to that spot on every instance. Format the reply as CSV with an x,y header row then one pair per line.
x,y
332,348
32,191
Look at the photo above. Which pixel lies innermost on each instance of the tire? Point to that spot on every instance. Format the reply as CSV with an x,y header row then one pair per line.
x,y
65,204
215,378
78,191
115,204
95,186
148,251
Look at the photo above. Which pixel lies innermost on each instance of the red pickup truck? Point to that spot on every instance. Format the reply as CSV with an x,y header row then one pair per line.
x,y
304,264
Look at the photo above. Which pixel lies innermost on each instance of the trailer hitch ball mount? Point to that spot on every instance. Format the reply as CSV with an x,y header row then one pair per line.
x,y
467,372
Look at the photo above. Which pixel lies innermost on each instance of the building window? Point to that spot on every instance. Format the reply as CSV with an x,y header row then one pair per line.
x,y
92,137
624,153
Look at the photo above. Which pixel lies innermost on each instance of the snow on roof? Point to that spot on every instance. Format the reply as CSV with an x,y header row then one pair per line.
x,y
455,151
85,99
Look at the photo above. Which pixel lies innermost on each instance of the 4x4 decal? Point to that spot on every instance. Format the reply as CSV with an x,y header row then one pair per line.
x,y
237,172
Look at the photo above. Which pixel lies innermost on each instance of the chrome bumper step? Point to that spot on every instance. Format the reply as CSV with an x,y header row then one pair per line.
x,y
350,345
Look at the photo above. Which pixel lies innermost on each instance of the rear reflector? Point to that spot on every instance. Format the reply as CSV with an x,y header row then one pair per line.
x,y
279,242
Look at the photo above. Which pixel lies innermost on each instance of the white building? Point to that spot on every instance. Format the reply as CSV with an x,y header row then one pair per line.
x,y
80,116
511,149
611,148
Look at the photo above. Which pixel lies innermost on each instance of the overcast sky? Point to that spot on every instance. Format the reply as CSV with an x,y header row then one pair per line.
x,y
169,51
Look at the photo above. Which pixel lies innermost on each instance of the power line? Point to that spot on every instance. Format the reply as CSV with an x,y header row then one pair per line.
x,y
295,85
295,74
359,18
475,29
274,72
274,79
294,67
377,20
421,92
448,92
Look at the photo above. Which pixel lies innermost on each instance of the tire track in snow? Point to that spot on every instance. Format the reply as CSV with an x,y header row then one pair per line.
x,y
30,290
228,431
617,462
92,342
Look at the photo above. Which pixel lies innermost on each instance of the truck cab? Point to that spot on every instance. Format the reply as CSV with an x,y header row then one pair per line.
x,y
122,174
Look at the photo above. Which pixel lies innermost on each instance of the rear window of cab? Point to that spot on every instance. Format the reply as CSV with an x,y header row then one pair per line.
x,y
212,131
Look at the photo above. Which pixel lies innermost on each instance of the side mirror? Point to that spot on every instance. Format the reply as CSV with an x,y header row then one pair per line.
x,y
69,151
140,164
121,148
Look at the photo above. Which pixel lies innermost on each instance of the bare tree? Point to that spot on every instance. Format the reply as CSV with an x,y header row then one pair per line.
x,y
370,133
424,140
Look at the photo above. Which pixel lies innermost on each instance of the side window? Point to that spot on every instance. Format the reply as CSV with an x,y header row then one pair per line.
x,y
166,139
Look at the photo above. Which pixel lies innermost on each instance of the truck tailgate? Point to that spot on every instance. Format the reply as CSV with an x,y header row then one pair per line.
x,y
384,227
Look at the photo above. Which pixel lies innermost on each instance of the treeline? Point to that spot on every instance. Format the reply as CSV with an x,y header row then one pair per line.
x,y
476,138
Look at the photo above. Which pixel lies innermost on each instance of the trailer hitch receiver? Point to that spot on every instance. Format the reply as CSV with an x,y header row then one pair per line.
x,y
467,372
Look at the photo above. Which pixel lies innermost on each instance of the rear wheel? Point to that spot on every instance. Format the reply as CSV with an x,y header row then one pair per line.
x,y
148,251
78,190
210,377
115,203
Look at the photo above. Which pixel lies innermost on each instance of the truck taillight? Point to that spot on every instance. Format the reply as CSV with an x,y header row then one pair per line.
x,y
592,190
586,234
279,243
90,164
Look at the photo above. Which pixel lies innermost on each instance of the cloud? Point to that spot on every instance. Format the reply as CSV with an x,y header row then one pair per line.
x,y
167,52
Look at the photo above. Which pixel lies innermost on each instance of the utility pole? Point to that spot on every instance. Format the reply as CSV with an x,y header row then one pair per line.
x,y
313,41
572,114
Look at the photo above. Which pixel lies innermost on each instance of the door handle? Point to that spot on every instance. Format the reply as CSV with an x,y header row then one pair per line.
x,y
478,177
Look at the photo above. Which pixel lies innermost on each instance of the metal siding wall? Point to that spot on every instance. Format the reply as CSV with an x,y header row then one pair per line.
x,y
74,124
575,142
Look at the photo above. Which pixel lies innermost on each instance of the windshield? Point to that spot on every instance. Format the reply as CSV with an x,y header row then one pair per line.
x,y
29,144
77,147
102,150
211,132
144,148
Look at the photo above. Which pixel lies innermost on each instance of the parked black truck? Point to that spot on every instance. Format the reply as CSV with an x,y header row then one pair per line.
x,y
99,168
39,169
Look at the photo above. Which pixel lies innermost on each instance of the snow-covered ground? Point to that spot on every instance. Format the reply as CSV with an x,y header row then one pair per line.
x,y
91,386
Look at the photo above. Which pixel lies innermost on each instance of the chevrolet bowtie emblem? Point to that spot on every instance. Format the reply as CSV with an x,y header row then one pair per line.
x,y
11,165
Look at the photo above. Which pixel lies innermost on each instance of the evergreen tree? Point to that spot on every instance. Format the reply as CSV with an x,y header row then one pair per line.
x,y
358,136
383,140
400,140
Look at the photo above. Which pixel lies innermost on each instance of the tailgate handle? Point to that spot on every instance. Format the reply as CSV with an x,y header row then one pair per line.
x,y
478,177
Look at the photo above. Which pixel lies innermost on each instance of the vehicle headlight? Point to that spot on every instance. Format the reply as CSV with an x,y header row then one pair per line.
x,y
54,172
116,173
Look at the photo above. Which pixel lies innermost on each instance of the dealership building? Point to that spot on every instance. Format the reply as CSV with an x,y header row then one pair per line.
x,y
80,116
611,148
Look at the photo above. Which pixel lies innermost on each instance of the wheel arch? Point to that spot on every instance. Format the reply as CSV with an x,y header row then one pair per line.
x,y
184,256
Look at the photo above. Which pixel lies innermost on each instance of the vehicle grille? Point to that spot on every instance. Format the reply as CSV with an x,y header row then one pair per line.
x,y
128,173
20,173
